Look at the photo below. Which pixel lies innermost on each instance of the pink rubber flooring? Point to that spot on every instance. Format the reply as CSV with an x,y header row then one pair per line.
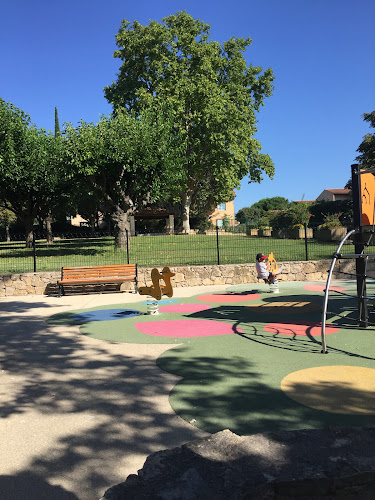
x,y
307,328
321,288
187,328
229,297
185,308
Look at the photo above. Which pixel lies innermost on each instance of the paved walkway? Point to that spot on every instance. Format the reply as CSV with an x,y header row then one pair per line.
x,y
78,415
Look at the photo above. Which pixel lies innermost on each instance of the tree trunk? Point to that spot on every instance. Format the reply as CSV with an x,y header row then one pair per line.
x,y
186,202
29,234
121,225
7,232
49,235
92,221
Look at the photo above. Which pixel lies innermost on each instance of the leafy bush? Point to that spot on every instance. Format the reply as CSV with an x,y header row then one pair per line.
x,y
331,221
295,216
322,208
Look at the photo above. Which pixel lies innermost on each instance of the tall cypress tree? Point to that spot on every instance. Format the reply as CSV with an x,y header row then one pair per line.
x,y
48,218
57,125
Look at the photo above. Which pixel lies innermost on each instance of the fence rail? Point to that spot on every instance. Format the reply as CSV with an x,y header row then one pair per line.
x,y
217,247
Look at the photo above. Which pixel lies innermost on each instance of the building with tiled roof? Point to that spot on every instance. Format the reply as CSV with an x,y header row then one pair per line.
x,y
335,195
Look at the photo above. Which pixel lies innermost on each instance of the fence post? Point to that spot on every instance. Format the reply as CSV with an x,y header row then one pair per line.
x,y
217,245
127,246
34,252
306,247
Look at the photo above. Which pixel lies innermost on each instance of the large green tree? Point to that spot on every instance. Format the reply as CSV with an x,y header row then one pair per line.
x,y
366,158
215,95
31,164
129,160
261,207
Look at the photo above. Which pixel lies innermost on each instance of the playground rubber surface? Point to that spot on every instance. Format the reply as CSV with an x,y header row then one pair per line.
x,y
251,361
91,385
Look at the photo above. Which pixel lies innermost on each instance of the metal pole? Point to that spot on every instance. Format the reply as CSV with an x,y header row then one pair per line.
x,y
306,248
217,245
127,245
34,252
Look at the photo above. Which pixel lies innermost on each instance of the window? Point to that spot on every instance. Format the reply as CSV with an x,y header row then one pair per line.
x,y
221,206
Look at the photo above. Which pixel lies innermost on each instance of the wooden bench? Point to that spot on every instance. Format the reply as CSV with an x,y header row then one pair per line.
x,y
98,275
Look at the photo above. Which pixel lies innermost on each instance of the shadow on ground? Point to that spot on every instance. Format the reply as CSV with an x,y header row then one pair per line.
x,y
51,374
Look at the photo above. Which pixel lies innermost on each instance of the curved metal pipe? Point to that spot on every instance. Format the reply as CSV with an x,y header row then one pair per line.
x,y
326,292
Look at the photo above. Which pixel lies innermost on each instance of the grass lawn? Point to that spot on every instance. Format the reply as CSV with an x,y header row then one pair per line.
x,y
168,250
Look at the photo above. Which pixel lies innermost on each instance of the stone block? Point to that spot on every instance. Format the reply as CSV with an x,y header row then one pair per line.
x,y
219,280
314,277
298,267
309,267
194,282
178,277
300,277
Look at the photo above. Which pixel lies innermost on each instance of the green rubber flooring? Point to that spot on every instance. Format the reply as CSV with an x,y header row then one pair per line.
x,y
248,359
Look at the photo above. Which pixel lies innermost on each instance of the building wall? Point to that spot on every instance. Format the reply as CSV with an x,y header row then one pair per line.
x,y
326,196
219,213
77,220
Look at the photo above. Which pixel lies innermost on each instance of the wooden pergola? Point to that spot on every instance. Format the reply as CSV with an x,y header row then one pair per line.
x,y
153,213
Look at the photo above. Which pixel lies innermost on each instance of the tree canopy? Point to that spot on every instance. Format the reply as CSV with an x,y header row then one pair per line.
x,y
215,96
366,158
258,209
128,160
30,167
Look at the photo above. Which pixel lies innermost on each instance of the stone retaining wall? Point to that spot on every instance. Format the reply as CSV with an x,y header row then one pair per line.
x,y
233,274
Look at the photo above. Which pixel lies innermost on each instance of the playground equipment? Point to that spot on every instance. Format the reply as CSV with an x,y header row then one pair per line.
x,y
274,269
156,291
363,192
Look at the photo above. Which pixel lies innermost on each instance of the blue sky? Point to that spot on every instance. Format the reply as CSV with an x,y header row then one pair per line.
x,y
321,51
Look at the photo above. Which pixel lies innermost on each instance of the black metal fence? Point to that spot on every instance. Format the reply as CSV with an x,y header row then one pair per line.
x,y
214,247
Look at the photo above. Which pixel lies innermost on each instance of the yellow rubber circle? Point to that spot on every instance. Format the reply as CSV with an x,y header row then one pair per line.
x,y
336,389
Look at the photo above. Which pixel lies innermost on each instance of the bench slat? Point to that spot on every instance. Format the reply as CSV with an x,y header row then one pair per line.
x,y
120,266
98,280
90,274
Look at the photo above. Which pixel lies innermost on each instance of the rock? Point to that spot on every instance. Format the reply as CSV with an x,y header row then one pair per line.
x,y
305,464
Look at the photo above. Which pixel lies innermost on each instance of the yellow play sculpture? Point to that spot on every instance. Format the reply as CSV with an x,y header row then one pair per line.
x,y
276,271
273,267
157,290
